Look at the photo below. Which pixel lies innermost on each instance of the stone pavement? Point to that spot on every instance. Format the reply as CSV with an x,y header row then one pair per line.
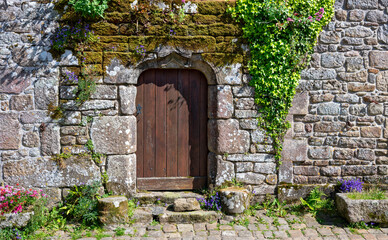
x,y
258,227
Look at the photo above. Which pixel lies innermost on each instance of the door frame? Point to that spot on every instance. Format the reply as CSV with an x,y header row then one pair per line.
x,y
176,61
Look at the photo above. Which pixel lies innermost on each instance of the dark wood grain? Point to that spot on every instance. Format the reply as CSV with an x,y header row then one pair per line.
x,y
172,130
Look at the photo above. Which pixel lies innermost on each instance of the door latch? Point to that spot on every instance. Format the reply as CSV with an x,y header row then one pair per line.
x,y
138,109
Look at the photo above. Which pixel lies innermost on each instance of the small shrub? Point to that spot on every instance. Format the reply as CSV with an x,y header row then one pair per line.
x,y
81,204
352,185
315,202
90,8
373,194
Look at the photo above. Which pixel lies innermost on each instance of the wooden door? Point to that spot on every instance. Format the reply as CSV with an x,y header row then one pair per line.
x,y
171,130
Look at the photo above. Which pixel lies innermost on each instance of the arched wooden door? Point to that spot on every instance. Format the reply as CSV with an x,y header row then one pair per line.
x,y
171,130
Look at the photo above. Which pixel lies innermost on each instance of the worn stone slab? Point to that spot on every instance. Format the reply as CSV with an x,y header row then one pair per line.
x,y
224,136
113,210
122,174
47,173
114,135
9,131
116,72
50,140
186,205
21,103
15,80
300,104
46,93
127,99
220,102
378,59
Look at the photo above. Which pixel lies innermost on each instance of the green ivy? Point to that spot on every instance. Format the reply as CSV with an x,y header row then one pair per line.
x,y
281,36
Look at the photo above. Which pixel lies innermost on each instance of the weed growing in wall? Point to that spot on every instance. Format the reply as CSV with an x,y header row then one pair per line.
x,y
281,37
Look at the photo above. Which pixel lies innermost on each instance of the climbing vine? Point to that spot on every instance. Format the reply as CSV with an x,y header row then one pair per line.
x,y
281,36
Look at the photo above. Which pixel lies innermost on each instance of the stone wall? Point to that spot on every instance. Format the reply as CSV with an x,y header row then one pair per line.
x,y
338,118
342,131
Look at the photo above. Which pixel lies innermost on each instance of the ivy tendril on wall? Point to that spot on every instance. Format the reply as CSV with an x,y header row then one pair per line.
x,y
281,36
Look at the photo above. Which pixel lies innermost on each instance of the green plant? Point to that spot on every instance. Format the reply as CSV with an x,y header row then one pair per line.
x,y
86,85
372,194
281,36
81,204
119,231
90,8
361,225
60,159
96,157
104,178
132,205
315,201
154,222
274,208
55,112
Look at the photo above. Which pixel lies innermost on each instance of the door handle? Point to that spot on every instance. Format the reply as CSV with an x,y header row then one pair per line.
x,y
138,109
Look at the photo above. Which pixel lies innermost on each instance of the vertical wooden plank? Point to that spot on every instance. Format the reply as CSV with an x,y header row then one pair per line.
x,y
194,123
203,127
149,123
140,119
183,122
172,141
161,124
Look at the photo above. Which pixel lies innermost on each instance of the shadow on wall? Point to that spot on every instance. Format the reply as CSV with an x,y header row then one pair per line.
x,y
4,5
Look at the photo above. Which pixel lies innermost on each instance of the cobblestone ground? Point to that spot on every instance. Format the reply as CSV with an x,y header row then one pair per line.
x,y
259,227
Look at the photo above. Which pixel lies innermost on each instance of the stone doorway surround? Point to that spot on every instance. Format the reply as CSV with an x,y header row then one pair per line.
x,y
116,137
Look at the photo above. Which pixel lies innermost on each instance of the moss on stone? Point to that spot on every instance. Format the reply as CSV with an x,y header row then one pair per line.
x,y
93,70
93,57
129,29
104,28
117,17
194,43
222,59
112,47
125,58
212,7
221,29
205,19
194,30
119,6
114,39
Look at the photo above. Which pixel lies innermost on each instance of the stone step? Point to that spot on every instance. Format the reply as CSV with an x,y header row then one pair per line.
x,y
199,216
163,215
163,197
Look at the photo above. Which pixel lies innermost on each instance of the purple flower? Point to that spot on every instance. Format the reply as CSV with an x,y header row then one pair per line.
x,y
352,185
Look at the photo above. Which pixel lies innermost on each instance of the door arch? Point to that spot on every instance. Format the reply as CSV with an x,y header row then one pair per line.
x,y
171,129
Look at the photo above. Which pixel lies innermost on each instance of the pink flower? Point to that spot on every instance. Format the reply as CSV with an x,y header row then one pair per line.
x,y
290,19
183,1
309,17
322,10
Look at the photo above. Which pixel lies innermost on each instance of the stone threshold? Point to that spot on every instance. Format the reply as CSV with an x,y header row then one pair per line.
x,y
158,206
146,198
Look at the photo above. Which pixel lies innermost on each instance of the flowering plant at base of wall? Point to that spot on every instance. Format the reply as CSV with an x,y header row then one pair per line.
x,y
15,199
281,36
352,185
